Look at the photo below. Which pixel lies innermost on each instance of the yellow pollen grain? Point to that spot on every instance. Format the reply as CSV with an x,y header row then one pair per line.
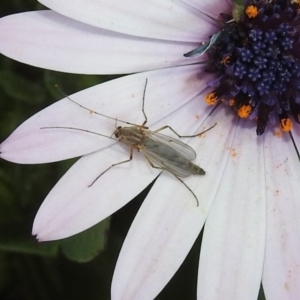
x,y
233,152
278,133
295,2
286,124
244,111
225,60
202,135
231,102
251,11
211,99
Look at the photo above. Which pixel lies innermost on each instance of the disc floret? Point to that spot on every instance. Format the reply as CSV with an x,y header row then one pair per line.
x,y
256,59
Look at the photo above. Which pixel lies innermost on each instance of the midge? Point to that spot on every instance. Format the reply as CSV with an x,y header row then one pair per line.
x,y
161,151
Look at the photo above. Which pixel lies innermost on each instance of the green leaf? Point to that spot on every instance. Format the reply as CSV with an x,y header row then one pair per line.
x,y
237,11
86,245
58,84
16,237
19,88
238,2
4,270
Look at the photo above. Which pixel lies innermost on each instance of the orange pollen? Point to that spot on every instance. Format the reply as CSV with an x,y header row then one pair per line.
x,y
244,111
295,2
251,11
286,124
225,60
231,102
211,99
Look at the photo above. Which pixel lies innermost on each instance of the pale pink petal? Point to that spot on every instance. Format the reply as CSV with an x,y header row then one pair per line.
x,y
209,6
72,206
48,40
166,20
281,277
169,220
233,244
167,90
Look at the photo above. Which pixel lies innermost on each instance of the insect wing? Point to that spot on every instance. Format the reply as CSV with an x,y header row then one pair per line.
x,y
184,149
203,48
169,154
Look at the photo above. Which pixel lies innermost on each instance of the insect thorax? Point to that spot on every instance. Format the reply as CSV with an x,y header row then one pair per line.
x,y
132,136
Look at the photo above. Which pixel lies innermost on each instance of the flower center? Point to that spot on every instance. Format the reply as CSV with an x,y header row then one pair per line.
x,y
256,59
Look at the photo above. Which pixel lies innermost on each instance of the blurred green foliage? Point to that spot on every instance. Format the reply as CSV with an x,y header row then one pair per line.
x,y
79,267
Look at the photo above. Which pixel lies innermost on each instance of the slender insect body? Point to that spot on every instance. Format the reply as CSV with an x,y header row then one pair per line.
x,y
161,151
166,152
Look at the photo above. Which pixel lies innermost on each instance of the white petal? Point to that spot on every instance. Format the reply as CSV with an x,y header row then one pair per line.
x,y
48,40
166,91
281,277
234,236
160,237
72,206
167,20
169,220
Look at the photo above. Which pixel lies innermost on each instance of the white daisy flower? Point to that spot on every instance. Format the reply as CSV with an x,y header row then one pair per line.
x,y
247,198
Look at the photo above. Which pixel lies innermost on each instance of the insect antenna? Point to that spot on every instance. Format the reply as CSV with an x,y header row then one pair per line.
x,y
79,129
217,21
92,111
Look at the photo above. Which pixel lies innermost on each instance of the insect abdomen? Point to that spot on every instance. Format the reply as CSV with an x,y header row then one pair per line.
x,y
196,170
170,158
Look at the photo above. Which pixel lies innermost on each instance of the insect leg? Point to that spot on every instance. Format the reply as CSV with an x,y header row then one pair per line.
x,y
188,188
184,136
155,167
143,107
152,165
113,165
